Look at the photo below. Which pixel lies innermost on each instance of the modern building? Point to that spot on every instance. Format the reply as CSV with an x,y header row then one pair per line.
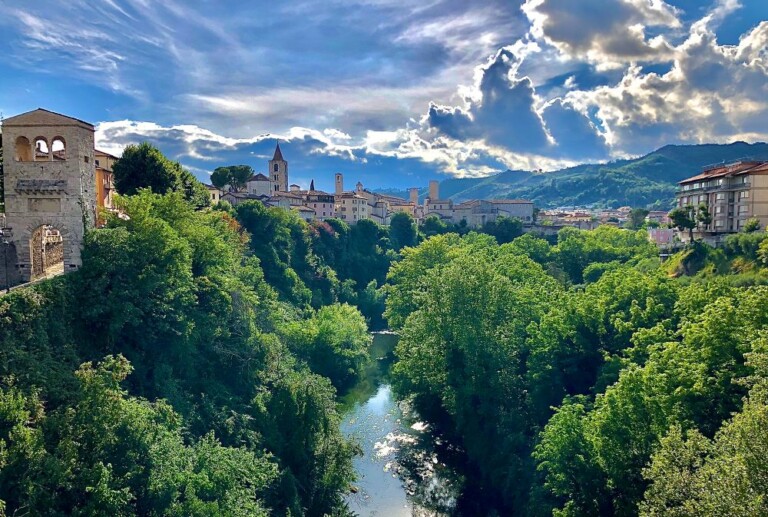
x,y
733,193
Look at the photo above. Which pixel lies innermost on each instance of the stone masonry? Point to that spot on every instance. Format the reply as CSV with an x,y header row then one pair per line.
x,y
50,184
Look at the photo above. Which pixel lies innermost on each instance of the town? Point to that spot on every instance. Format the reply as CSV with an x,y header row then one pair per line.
x,y
50,190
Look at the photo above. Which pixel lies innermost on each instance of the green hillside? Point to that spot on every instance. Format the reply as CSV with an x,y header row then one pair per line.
x,y
646,181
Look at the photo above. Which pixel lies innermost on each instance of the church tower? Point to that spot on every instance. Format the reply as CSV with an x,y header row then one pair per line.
x,y
278,172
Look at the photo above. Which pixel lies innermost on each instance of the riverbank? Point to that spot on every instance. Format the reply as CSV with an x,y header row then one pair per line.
x,y
398,472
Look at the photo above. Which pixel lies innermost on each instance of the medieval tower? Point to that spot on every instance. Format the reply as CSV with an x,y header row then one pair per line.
x,y
278,172
50,192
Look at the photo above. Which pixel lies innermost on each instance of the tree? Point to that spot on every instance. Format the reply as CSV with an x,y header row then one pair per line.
x,y
703,216
144,166
637,218
752,225
433,225
682,219
504,229
236,176
402,231
220,177
334,343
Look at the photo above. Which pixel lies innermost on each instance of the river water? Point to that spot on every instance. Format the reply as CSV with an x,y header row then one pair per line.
x,y
399,474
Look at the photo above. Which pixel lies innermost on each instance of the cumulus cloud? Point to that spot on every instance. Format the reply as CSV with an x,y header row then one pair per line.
x,y
605,32
463,88
504,111
713,93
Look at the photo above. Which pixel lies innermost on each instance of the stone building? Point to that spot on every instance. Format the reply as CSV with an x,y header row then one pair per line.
x,y
50,192
105,183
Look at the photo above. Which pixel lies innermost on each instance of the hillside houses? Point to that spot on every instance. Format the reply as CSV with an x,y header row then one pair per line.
x,y
360,203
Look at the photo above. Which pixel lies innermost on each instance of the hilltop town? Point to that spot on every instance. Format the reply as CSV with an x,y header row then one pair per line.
x,y
355,205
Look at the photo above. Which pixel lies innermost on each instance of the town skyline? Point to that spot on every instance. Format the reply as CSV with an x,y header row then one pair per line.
x,y
391,94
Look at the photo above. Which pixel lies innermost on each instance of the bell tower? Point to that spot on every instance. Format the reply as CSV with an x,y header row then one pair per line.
x,y
278,172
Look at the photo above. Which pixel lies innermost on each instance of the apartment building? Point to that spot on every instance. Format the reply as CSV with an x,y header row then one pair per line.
x,y
733,193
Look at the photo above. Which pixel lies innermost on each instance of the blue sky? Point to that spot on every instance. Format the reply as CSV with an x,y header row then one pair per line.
x,y
393,93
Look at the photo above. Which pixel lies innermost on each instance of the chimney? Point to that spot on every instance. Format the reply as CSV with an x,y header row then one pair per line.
x,y
414,195
339,184
434,192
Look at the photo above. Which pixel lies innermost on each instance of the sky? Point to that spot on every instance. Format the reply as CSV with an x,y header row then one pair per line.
x,y
392,93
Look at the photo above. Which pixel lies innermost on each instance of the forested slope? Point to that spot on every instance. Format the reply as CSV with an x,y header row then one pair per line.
x,y
586,378
647,181
173,374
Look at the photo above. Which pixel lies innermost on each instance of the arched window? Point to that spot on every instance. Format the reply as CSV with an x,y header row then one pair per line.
x,y
59,148
42,151
23,150
276,167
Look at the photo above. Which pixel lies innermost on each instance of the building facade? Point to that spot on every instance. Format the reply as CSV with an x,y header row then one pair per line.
x,y
50,192
732,193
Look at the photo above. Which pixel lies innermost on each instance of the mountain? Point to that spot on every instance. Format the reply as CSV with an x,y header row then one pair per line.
x,y
649,181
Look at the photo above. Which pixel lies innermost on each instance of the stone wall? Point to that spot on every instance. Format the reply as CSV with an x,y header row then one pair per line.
x,y
53,189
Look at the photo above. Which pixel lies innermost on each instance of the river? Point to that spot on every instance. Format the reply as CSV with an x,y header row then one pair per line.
x,y
399,473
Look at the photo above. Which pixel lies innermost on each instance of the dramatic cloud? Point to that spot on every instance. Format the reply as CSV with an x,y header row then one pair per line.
x,y
394,92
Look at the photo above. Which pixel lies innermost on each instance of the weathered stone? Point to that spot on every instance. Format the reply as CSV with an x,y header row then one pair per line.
x,y
49,169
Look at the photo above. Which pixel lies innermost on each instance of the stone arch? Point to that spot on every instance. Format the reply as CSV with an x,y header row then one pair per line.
x,y
23,150
59,148
42,149
46,250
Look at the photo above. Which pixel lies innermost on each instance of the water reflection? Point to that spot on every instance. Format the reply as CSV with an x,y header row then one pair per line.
x,y
399,473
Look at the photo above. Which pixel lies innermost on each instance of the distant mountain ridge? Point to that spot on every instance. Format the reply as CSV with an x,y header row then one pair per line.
x,y
649,181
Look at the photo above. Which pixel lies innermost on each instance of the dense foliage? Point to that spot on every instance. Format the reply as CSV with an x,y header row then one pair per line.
x,y
144,166
159,379
581,378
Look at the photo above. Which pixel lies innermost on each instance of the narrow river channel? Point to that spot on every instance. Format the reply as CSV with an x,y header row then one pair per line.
x,y
398,472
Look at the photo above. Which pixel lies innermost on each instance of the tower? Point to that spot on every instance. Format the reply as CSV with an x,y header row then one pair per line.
x,y
414,196
278,172
50,192
339,184
434,189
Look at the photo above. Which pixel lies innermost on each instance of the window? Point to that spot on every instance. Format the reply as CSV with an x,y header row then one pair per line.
x,y
744,194
719,223
275,167
23,149
743,209
41,150
59,148
720,196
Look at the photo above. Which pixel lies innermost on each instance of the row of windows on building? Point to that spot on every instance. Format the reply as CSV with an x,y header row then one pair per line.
x,y
719,197
41,151
743,180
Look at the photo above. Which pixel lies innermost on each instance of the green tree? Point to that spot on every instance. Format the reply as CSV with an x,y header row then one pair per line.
x,y
144,166
504,229
752,225
636,218
433,225
236,176
703,217
334,343
402,230
220,177
683,219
